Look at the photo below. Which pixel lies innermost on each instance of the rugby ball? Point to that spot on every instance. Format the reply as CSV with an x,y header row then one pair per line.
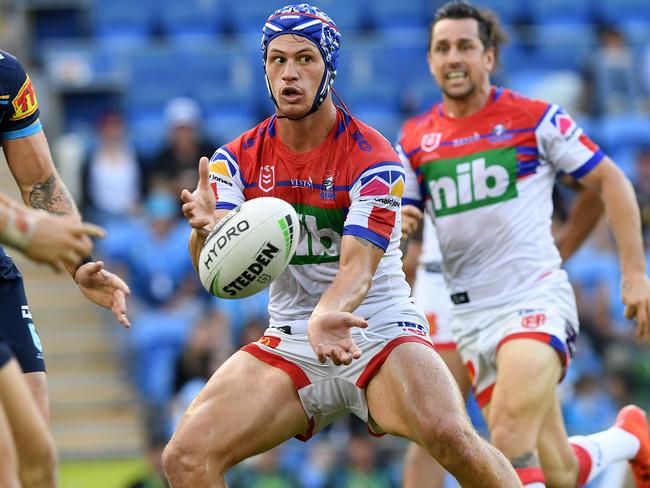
x,y
249,248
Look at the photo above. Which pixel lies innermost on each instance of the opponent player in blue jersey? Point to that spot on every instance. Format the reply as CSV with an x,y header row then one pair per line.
x,y
28,156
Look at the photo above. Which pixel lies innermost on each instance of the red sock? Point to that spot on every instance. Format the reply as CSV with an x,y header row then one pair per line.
x,y
584,464
531,477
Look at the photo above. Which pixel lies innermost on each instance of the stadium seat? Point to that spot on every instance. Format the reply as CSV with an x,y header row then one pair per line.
x,y
249,16
191,21
388,14
624,130
349,16
636,32
563,45
560,11
118,23
618,11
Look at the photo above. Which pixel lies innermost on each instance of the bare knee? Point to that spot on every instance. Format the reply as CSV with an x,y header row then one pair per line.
x,y
513,429
186,463
38,466
449,440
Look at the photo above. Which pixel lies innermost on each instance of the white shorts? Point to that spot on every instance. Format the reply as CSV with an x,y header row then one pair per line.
x,y
547,314
327,391
430,293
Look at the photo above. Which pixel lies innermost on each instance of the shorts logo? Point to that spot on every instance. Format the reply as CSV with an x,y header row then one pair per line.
x,y
533,321
267,178
270,341
430,141
413,328
25,103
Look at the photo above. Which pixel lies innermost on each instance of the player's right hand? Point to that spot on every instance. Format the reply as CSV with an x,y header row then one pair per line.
x,y
329,336
411,216
198,206
635,291
59,241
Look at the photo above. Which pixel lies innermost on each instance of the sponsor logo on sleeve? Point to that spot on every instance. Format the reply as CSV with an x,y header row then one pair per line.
x,y
565,124
25,103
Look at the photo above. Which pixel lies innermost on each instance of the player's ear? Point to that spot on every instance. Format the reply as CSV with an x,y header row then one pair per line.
x,y
490,58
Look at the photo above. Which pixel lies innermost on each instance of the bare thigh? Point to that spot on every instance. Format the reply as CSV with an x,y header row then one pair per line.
x,y
8,456
246,408
527,375
33,440
37,383
421,470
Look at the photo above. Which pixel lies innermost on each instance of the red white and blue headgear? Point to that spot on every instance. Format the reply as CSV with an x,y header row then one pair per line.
x,y
313,24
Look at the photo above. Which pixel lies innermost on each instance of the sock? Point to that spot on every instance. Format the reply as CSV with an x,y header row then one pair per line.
x,y
596,451
531,477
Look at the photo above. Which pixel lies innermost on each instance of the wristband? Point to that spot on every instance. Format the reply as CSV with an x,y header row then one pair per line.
x,y
19,228
84,260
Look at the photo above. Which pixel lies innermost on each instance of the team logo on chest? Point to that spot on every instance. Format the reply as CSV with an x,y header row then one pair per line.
x,y
327,192
430,141
267,178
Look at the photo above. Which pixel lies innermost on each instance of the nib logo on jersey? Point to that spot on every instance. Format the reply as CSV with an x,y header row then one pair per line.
x,y
476,180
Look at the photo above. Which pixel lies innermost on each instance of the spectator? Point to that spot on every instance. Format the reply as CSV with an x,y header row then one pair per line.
x,y
612,74
111,175
177,161
360,469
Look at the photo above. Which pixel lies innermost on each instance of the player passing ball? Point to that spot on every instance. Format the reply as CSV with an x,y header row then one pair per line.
x,y
343,335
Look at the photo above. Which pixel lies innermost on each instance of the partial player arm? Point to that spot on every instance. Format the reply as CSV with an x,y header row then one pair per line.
x,y
45,238
623,216
584,214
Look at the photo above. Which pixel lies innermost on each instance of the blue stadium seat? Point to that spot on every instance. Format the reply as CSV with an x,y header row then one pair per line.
x,y
388,14
191,21
560,11
625,158
119,23
563,46
249,16
624,130
617,11
636,32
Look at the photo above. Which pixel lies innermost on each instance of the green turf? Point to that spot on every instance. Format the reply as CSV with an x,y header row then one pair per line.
x,y
116,473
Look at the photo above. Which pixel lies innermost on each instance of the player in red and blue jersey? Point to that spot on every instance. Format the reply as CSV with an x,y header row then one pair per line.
x,y
483,164
344,336
28,156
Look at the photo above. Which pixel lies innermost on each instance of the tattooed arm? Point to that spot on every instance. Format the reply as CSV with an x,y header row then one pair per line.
x,y
41,187
31,164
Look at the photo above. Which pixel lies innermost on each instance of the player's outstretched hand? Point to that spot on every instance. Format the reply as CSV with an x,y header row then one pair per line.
x,y
329,336
198,206
59,241
104,288
411,216
636,298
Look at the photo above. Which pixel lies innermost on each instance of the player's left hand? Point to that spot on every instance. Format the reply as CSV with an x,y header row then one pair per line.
x,y
635,291
411,216
329,336
104,288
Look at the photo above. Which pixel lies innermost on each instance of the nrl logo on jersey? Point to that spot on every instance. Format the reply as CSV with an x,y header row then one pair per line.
x,y
267,178
430,141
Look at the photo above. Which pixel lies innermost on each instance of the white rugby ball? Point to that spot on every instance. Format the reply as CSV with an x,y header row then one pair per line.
x,y
249,248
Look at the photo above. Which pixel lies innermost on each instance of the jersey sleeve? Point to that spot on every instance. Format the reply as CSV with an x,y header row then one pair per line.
x,y
18,99
225,179
375,198
565,145
412,191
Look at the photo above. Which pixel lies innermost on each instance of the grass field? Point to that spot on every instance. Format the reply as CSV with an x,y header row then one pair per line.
x,y
114,473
